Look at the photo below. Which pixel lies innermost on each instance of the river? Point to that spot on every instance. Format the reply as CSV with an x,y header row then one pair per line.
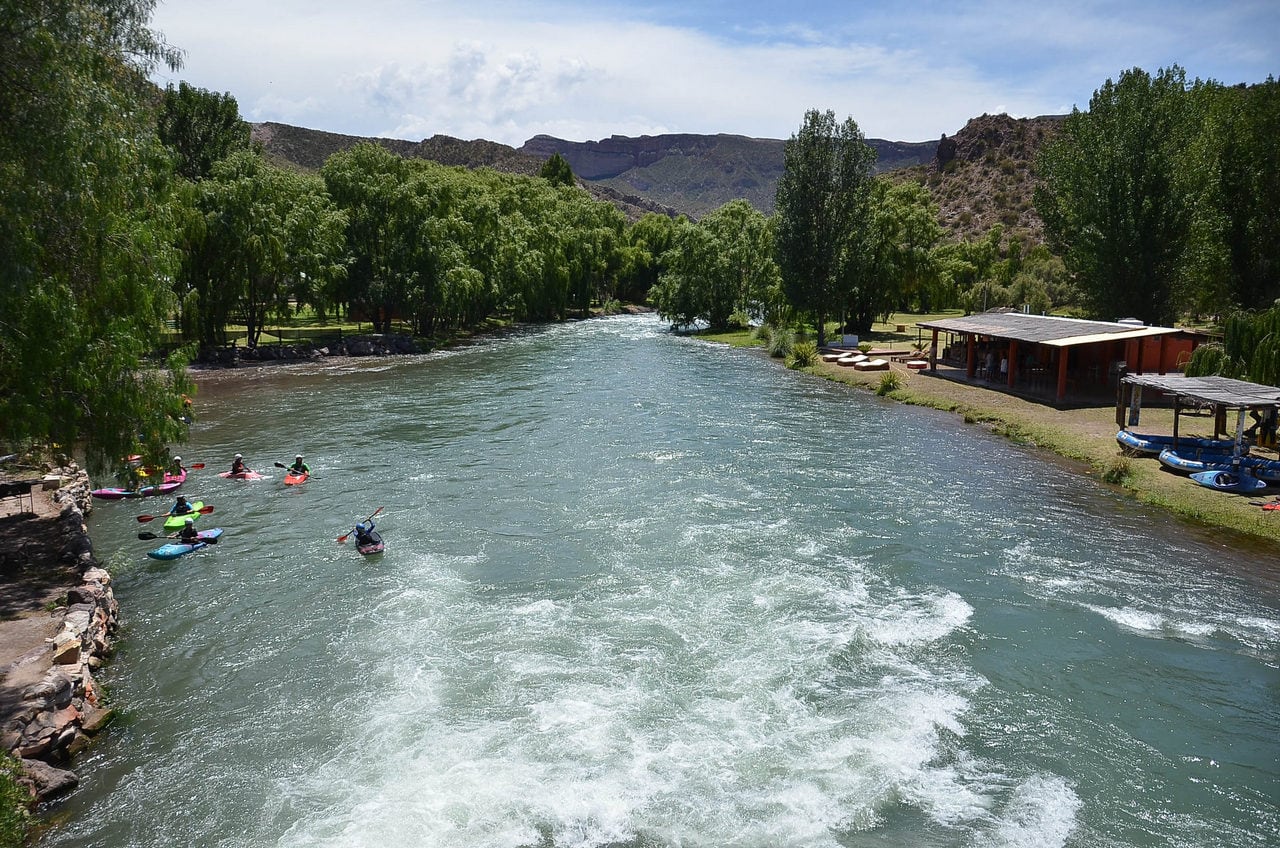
x,y
641,590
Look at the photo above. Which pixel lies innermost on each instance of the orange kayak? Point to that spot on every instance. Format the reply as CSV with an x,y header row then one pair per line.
x,y
292,479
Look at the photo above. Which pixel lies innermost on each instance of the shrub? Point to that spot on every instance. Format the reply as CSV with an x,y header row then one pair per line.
x,y
739,321
14,804
1118,471
864,347
780,344
890,381
803,354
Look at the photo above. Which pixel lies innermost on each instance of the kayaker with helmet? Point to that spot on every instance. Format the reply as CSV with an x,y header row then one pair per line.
x,y
180,506
238,466
364,533
299,467
189,535
176,468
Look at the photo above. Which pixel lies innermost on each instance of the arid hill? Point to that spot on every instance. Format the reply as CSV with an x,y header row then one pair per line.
x,y
979,177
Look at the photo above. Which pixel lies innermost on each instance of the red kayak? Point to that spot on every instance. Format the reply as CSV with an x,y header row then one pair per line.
x,y
292,479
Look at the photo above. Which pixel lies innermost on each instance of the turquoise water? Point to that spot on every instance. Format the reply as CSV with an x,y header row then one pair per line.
x,y
645,591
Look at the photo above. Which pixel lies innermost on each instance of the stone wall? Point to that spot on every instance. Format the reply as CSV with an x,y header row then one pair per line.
x,y
54,717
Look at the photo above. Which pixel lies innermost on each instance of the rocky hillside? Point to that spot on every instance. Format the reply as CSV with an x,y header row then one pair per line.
x,y
696,174
979,177
983,176
307,149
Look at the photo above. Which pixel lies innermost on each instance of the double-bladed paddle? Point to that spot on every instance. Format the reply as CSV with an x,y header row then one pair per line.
x,y
147,534
204,510
344,536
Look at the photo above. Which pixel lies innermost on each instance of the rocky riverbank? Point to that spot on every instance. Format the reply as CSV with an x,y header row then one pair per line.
x,y
362,345
58,617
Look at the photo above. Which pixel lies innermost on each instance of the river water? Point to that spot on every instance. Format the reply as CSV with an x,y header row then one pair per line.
x,y
645,591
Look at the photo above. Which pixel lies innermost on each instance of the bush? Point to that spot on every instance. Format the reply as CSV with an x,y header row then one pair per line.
x,y
1118,472
739,321
864,347
803,354
14,804
890,381
763,334
780,344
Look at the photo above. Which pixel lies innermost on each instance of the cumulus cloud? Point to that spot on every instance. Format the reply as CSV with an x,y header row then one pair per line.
x,y
507,71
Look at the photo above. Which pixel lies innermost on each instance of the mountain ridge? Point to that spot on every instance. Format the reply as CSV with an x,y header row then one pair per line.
x,y
981,176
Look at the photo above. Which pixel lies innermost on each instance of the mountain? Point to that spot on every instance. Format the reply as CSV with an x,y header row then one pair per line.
x,y
979,177
697,174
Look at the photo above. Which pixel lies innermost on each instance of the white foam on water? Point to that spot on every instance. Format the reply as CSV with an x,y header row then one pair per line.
x,y
1042,812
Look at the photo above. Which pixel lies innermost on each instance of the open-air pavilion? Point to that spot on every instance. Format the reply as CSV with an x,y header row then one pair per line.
x,y
1046,357
1218,394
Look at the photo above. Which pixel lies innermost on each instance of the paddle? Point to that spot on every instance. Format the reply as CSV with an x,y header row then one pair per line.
x,y
344,536
204,510
146,534
196,465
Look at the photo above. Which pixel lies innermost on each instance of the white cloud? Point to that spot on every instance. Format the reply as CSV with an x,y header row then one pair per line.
x,y
507,71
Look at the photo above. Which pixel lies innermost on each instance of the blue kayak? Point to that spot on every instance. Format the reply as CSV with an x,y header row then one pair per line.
x,y
1241,482
173,550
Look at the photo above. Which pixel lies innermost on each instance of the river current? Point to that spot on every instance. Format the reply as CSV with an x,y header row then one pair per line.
x,y
642,591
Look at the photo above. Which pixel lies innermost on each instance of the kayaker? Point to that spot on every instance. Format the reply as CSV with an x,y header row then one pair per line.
x,y
189,535
176,468
299,467
364,533
237,465
180,506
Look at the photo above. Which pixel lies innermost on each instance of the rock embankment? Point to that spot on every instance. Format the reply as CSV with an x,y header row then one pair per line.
x,y
366,345
50,704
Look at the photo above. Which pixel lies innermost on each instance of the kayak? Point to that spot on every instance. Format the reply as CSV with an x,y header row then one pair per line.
x,y
175,522
292,479
1229,481
173,550
375,547
113,493
241,475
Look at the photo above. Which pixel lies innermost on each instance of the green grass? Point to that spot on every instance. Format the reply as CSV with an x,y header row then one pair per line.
x,y
15,812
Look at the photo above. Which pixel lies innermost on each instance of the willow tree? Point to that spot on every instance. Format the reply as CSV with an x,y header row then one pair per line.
x,y
822,206
86,231
1249,350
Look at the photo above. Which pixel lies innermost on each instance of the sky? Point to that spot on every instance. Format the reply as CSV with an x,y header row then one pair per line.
x,y
587,69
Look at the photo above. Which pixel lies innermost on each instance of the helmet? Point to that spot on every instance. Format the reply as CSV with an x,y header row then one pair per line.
x,y
182,497
299,456
238,456
177,459
190,521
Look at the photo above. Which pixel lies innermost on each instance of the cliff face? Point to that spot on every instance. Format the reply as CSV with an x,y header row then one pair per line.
x,y
985,174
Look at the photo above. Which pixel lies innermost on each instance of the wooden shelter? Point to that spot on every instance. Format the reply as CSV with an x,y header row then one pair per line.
x,y
1219,394
1065,353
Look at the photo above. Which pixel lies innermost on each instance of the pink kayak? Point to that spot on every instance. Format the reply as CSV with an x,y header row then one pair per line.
x,y
112,493
242,475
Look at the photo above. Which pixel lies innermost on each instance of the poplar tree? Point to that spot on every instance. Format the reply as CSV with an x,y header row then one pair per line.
x,y
822,205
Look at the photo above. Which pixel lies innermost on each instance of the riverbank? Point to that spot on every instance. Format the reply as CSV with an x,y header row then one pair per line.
x,y
1086,436
58,615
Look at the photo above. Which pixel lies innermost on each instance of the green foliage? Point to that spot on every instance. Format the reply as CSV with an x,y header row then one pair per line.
x,y
1118,472
781,343
556,171
865,347
1250,350
899,248
823,205
14,804
719,267
87,228
201,128
803,354
1116,194
890,381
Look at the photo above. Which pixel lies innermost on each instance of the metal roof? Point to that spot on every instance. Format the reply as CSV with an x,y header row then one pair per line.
x,y
1049,330
1220,390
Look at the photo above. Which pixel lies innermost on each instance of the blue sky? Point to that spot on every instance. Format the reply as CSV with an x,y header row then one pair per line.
x,y
588,69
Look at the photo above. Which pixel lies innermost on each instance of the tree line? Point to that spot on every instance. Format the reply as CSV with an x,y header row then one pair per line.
x,y
125,208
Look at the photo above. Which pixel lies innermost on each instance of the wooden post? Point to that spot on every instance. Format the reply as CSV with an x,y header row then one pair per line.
x,y
971,354
1062,372
1135,406
1013,360
933,351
